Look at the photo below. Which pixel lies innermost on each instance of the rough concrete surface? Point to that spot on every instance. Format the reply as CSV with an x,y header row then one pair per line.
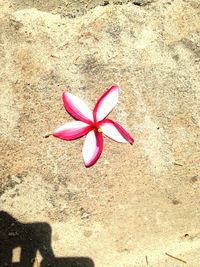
x,y
138,202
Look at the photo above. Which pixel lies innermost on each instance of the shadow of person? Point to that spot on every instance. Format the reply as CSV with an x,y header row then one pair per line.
x,y
69,262
31,237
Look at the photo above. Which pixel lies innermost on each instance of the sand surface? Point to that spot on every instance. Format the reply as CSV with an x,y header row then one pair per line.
x,y
138,202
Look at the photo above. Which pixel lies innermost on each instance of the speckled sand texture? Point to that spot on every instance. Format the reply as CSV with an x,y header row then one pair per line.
x,y
137,202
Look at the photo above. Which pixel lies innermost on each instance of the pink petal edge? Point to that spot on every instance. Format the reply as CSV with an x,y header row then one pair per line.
x,y
124,134
106,103
72,130
92,147
77,108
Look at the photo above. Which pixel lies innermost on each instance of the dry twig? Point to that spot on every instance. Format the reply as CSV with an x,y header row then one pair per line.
x,y
173,257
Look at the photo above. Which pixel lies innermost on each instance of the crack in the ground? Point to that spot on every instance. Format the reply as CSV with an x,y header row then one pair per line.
x,y
136,3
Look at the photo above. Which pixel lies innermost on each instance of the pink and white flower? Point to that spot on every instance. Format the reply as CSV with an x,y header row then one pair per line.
x,y
92,124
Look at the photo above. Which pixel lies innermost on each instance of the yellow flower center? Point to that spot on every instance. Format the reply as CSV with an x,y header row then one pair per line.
x,y
99,130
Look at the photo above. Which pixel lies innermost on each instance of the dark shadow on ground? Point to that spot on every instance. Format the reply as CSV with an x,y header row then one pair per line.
x,y
31,237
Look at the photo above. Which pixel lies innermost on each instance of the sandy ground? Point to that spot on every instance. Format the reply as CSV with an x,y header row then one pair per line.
x,y
138,205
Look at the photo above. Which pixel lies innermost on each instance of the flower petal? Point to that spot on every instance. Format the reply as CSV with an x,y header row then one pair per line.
x,y
77,108
72,130
106,103
92,147
115,131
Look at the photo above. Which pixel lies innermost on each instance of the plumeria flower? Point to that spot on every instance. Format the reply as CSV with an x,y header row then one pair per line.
x,y
92,124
